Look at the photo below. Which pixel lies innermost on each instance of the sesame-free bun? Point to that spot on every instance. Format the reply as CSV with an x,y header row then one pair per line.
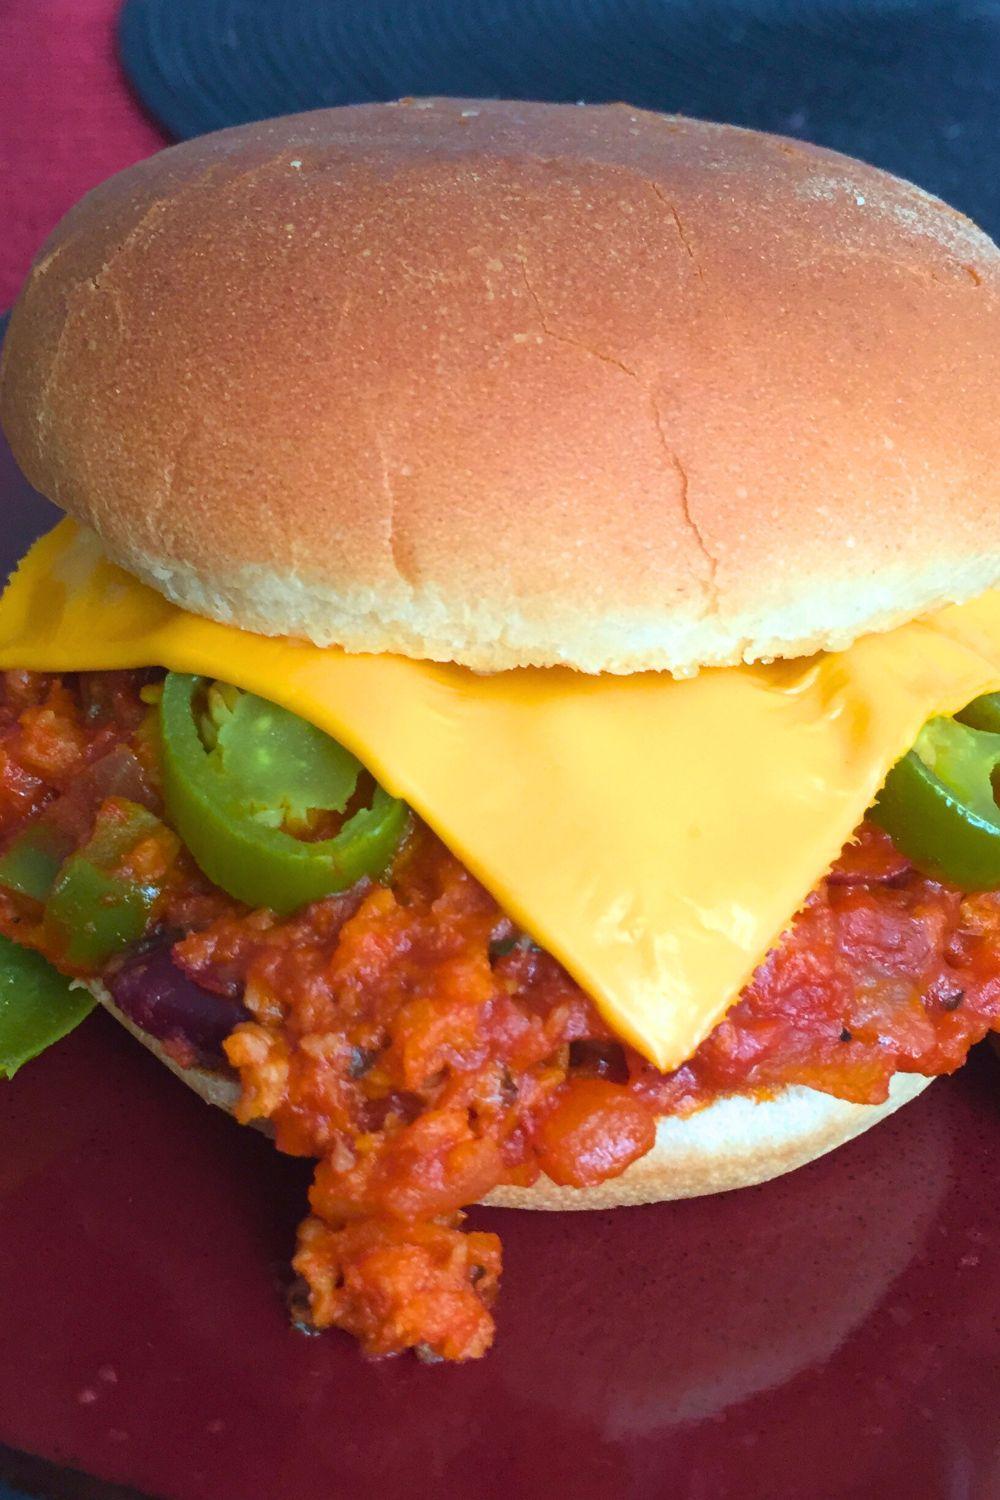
x,y
735,1142
511,384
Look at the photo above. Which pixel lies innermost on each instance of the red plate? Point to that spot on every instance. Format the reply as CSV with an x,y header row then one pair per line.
x,y
832,1334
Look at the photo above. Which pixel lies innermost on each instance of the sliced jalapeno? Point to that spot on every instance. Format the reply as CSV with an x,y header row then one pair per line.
x,y
262,770
939,805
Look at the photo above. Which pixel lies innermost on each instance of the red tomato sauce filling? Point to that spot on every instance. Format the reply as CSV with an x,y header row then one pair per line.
x,y
411,1039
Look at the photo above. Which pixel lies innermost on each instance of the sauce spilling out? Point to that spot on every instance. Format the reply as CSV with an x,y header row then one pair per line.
x,y
408,1037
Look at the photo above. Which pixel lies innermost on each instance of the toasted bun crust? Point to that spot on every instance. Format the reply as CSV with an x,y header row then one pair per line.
x,y
513,384
733,1143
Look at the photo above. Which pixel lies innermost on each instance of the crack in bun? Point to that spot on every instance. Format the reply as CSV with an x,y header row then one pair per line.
x,y
515,384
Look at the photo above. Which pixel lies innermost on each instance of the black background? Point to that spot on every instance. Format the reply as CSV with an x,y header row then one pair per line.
x,y
911,85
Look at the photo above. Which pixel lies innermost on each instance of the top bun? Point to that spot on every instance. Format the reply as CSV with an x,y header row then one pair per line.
x,y
521,384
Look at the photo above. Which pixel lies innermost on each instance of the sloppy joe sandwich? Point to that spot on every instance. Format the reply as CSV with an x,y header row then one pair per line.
x,y
511,707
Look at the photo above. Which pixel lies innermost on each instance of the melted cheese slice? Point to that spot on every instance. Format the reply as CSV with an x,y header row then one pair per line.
x,y
656,836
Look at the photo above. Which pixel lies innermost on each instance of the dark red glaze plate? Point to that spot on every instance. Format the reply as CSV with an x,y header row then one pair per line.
x,y
832,1335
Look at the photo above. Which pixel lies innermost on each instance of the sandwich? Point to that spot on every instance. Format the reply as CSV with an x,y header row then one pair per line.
x,y
512,709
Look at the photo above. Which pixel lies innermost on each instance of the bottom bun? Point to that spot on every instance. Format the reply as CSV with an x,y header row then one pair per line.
x,y
732,1143
735,1142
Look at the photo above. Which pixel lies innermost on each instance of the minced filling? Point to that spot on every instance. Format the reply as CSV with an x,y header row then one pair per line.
x,y
424,1051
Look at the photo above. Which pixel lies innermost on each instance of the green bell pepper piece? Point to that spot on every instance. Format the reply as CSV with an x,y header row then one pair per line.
x,y
33,860
95,911
225,801
37,1006
939,806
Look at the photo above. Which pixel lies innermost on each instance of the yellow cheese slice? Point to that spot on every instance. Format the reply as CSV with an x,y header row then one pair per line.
x,y
656,836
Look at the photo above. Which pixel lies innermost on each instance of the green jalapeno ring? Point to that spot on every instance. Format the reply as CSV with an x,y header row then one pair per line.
x,y
258,864
276,766
982,713
939,807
